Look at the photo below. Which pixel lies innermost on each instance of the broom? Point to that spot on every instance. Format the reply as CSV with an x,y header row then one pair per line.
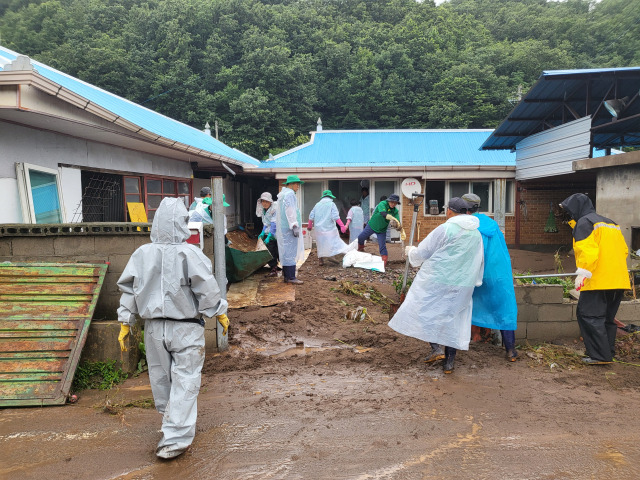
x,y
551,227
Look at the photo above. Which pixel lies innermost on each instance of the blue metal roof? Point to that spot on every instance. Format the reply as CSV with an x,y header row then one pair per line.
x,y
560,96
143,117
397,148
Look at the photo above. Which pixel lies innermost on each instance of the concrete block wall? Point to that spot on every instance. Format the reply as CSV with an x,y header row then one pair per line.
x,y
102,345
544,316
116,249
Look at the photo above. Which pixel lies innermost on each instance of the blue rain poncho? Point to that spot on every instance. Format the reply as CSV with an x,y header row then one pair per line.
x,y
290,248
438,305
356,215
324,216
494,302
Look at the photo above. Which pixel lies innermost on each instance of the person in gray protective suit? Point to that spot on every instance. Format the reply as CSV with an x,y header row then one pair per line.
x,y
169,284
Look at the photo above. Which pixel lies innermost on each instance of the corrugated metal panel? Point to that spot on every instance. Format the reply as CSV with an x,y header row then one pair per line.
x,y
396,148
45,313
137,115
557,88
553,150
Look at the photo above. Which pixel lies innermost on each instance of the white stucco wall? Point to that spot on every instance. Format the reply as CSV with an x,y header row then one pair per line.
x,y
72,193
50,150
10,201
47,149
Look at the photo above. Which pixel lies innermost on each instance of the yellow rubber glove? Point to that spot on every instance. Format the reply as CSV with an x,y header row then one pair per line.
x,y
403,235
394,220
224,321
124,331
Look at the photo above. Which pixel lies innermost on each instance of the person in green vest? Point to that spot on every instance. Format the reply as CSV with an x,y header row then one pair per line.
x,y
385,213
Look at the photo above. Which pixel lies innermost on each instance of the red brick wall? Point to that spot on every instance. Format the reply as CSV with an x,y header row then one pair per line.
x,y
428,222
538,198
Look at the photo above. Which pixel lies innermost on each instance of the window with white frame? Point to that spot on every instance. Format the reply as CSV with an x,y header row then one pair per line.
x,y
483,189
441,191
40,194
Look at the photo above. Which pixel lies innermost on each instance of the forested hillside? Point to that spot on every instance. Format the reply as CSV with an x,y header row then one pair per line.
x,y
266,70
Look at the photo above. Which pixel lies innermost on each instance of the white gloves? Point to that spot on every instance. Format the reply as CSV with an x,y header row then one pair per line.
x,y
582,276
408,249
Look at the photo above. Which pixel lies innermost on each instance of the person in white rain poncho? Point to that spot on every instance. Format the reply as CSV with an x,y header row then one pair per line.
x,y
289,229
438,305
199,211
355,221
324,217
169,284
266,209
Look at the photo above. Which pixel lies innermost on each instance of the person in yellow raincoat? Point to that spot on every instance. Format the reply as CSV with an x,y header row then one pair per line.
x,y
601,258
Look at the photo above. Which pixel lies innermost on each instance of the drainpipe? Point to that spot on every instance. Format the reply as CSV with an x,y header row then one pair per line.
x,y
500,202
517,214
219,263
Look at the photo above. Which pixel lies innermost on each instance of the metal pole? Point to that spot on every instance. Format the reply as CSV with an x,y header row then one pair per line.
x,y
548,275
219,262
416,205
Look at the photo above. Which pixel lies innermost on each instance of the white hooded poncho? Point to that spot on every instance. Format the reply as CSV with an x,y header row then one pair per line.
x,y
324,216
438,305
290,248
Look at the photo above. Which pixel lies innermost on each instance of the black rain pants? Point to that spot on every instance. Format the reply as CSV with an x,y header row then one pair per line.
x,y
596,312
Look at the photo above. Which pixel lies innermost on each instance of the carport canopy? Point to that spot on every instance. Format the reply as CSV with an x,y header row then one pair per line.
x,y
561,96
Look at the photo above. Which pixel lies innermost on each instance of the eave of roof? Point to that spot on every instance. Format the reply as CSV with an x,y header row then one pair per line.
x,y
152,125
368,150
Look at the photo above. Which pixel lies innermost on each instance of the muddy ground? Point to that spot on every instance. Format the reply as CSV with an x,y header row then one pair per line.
x,y
305,393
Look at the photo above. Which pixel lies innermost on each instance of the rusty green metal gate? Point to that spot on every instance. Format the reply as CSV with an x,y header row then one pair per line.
x,y
45,313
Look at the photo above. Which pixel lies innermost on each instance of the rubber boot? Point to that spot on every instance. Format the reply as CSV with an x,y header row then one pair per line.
x,y
437,353
384,259
449,358
321,261
273,272
509,340
290,275
286,273
361,247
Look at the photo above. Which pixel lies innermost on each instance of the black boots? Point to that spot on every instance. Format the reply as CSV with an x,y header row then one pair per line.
x,y
437,353
449,358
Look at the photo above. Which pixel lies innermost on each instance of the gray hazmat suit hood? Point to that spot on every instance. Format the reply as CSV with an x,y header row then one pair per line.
x,y
170,222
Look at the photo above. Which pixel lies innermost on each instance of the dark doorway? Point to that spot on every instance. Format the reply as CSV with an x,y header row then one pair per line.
x,y
102,198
